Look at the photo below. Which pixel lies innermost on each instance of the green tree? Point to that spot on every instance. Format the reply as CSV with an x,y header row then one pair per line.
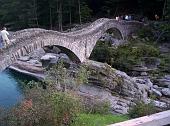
x,y
166,11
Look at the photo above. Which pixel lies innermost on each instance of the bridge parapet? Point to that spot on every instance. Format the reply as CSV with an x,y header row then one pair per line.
x,y
158,119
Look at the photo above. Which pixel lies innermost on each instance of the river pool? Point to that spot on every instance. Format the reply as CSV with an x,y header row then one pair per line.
x,y
10,88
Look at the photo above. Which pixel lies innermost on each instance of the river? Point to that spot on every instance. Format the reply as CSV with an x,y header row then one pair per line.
x,y
11,84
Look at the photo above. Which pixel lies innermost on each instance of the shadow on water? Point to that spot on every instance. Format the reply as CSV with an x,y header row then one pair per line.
x,y
11,87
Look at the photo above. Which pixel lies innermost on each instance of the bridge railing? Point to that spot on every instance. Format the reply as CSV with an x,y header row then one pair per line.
x,y
158,119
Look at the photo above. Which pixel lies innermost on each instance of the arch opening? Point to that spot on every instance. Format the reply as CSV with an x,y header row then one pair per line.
x,y
112,34
105,44
62,50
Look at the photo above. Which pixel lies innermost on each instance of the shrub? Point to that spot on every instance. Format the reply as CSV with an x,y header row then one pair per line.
x,y
146,32
42,108
125,56
59,76
165,63
142,109
102,52
95,106
66,108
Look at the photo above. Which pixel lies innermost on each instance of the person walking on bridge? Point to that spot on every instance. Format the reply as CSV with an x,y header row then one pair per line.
x,y
1,42
4,35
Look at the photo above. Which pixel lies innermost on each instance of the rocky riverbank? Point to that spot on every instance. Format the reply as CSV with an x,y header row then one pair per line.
x,y
105,83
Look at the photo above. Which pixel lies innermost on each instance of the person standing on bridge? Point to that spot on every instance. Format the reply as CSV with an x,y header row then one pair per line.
x,y
1,43
4,35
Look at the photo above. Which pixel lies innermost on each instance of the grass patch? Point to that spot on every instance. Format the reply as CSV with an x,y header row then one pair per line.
x,y
98,120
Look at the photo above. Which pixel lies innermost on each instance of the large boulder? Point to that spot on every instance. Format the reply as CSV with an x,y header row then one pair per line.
x,y
37,54
49,59
65,59
92,94
29,69
105,76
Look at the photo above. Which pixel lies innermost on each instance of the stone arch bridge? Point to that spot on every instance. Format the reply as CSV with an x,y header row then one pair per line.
x,y
80,42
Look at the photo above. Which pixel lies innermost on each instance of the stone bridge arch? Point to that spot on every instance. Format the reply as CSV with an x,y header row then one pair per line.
x,y
115,32
126,29
80,42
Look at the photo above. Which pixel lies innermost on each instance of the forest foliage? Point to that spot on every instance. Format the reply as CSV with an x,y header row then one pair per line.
x,y
62,14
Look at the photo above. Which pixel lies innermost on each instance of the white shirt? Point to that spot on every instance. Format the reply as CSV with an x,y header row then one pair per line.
x,y
117,18
4,35
126,17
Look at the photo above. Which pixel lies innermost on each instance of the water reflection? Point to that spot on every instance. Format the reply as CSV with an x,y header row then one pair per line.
x,y
11,87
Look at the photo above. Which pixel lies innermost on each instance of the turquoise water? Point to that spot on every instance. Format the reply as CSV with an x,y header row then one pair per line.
x,y
10,90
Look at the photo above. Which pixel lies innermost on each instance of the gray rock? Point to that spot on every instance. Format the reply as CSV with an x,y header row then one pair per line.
x,y
39,76
117,104
151,62
140,68
143,80
56,50
159,104
166,92
157,93
28,69
149,83
163,82
164,49
144,74
139,80
134,36
37,54
24,58
54,61
35,62
64,57
158,88
155,86
167,77
48,56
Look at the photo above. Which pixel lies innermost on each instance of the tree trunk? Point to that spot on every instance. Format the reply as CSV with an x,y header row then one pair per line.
x,y
70,14
35,13
164,9
60,16
79,11
51,23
